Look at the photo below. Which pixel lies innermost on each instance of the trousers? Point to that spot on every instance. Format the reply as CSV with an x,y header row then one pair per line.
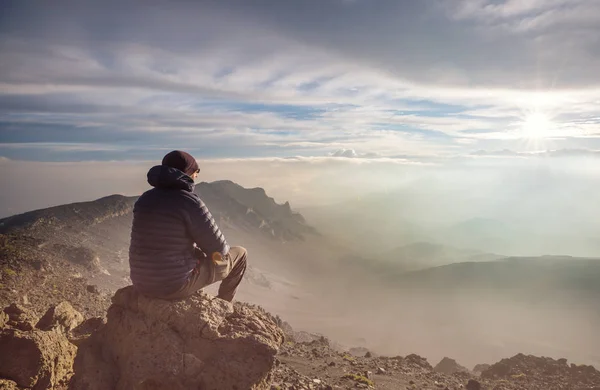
x,y
229,271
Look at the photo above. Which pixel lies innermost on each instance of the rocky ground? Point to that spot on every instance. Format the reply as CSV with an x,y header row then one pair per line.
x,y
316,365
34,277
37,277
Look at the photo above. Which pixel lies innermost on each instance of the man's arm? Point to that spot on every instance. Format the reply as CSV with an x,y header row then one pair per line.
x,y
205,232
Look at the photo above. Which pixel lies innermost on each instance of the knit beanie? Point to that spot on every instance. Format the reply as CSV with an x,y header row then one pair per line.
x,y
182,161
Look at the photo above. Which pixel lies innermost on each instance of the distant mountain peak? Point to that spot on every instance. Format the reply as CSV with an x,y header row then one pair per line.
x,y
253,207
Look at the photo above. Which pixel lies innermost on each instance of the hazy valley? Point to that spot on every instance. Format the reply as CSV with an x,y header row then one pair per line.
x,y
409,296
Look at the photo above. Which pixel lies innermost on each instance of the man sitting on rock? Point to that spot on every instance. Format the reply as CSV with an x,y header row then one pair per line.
x,y
176,247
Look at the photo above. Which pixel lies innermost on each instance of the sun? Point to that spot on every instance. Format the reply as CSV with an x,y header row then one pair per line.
x,y
536,125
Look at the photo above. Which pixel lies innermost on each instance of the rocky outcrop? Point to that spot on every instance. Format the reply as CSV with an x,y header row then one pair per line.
x,y
556,373
33,358
449,366
199,342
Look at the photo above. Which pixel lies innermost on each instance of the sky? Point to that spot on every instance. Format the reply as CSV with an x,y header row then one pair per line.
x,y
387,82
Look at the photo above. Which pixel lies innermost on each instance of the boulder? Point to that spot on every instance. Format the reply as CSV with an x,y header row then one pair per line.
x,y
199,342
62,316
449,366
91,288
36,358
473,385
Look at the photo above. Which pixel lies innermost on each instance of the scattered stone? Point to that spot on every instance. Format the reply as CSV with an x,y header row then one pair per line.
x,y
62,316
25,300
37,264
380,370
91,288
151,341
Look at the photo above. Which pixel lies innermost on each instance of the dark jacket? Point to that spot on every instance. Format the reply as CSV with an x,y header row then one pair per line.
x,y
167,221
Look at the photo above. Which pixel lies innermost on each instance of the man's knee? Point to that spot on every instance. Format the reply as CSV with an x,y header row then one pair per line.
x,y
238,253
239,257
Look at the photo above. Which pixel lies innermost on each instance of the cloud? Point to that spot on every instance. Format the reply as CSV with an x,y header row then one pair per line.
x,y
351,153
230,79
300,180
560,153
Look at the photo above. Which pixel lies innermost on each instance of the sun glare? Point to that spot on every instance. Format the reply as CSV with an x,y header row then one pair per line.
x,y
536,125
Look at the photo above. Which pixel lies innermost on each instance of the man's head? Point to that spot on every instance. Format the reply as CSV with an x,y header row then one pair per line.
x,y
182,161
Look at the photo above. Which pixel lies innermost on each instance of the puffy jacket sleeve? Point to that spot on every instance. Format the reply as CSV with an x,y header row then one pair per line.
x,y
204,230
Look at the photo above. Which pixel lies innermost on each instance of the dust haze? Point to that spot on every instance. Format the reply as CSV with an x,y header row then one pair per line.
x,y
384,223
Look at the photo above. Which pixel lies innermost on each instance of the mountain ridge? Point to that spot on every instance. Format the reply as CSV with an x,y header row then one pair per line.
x,y
227,201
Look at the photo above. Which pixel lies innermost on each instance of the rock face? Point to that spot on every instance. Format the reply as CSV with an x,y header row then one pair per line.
x,y
199,342
449,366
33,358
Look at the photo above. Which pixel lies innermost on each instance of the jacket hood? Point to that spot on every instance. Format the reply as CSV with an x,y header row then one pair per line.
x,y
162,176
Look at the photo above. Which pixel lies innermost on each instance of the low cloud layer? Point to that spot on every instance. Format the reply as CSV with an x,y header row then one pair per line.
x,y
483,184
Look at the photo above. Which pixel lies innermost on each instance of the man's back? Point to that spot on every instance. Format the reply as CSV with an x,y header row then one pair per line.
x,y
167,221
